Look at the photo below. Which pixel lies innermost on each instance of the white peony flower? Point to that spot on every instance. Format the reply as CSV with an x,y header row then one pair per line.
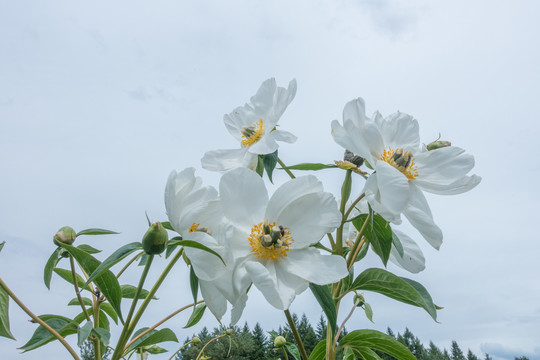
x,y
270,240
391,146
253,125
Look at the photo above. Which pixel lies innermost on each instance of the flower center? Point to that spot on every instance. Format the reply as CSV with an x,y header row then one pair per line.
x,y
403,161
269,241
252,134
195,227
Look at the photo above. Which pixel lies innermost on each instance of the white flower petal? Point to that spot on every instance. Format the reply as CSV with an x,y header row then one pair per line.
x,y
238,309
243,196
400,130
289,192
443,166
413,259
393,187
419,215
207,266
459,186
285,136
213,298
355,110
266,145
313,267
224,160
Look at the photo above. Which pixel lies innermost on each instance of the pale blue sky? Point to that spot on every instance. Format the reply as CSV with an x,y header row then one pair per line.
x,y
100,101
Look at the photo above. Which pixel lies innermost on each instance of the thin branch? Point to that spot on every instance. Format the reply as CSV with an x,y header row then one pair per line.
x,y
129,263
76,284
344,321
296,334
291,175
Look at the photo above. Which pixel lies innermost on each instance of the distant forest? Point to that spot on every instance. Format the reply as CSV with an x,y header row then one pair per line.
x,y
247,344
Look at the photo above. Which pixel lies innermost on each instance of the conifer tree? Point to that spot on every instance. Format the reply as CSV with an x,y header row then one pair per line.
x,y
321,329
457,354
259,340
471,356
307,334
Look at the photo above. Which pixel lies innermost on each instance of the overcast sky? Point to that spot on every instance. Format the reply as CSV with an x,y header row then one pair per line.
x,y
100,100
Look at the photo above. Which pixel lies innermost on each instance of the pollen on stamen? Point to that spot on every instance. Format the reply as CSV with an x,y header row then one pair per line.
x,y
194,227
402,161
252,134
264,246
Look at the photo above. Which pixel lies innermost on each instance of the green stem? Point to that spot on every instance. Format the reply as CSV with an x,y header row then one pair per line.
x,y
129,263
291,175
296,334
359,241
124,336
208,343
330,348
181,347
97,345
285,353
346,216
39,321
76,284
345,193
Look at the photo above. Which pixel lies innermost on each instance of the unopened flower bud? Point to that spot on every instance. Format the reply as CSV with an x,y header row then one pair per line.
x,y
229,331
195,341
155,240
280,341
65,235
438,144
359,300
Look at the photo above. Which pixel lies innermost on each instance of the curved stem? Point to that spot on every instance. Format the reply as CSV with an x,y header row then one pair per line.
x,y
181,347
77,291
285,353
336,338
129,263
348,212
39,321
296,334
208,343
159,323
358,243
291,175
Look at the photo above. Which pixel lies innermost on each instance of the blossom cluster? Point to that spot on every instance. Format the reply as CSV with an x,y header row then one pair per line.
x,y
267,240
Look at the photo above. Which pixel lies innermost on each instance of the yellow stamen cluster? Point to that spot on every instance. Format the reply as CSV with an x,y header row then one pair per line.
x,y
403,161
269,242
194,227
252,134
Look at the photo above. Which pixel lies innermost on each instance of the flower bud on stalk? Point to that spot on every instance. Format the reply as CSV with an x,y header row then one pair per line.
x,y
438,144
195,341
229,331
155,240
280,341
359,300
66,235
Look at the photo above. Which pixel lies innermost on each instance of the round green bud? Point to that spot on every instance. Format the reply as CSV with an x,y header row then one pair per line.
x,y
229,331
280,341
438,144
66,235
196,341
155,240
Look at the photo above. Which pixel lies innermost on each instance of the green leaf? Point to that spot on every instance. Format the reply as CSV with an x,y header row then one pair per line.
x,y
193,284
368,311
397,244
269,162
377,340
89,249
198,245
115,258
4,313
83,332
103,335
325,299
106,281
346,187
152,338
109,310
395,287
172,245
423,292
96,231
128,292
366,353
68,276
75,301
49,266
2,245
167,225
378,233
319,351
311,166
293,350
196,315
260,166
144,259
154,349
42,336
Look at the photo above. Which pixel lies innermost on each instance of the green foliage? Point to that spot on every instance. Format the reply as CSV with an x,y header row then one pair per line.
x,y
378,233
4,314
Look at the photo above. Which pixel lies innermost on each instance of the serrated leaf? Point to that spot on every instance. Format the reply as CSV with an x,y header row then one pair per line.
x,y
83,332
324,298
50,265
369,311
319,351
311,166
293,350
75,301
193,284
377,340
129,291
114,258
103,335
198,245
89,249
68,276
106,281
42,336
379,234
395,287
196,316
269,162
152,338
4,314
96,231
